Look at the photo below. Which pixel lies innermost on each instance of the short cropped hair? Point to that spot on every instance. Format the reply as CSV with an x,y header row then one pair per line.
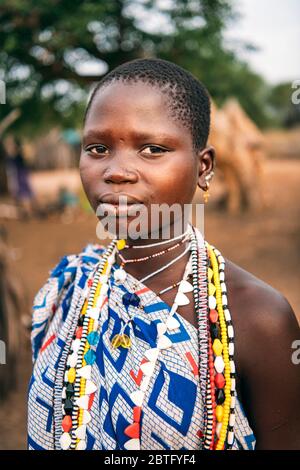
x,y
187,98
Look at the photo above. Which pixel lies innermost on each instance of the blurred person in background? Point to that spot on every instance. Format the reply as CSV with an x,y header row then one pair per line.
x,y
19,178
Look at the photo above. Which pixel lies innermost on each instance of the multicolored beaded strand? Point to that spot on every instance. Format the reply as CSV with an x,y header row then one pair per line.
x,y
78,375
221,350
217,345
230,333
200,291
84,389
202,315
211,378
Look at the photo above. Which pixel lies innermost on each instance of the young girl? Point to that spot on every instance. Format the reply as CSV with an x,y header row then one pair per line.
x,y
155,343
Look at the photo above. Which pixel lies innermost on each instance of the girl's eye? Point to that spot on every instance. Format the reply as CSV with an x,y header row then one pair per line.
x,y
97,149
100,149
153,149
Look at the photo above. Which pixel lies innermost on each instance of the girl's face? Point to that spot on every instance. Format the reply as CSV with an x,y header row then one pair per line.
x,y
132,147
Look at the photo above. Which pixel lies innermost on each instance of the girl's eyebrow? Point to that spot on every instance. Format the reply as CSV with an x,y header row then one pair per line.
x,y
97,134
94,134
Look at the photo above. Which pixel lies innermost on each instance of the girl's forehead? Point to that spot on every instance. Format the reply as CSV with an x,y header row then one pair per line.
x,y
136,102
137,93
133,85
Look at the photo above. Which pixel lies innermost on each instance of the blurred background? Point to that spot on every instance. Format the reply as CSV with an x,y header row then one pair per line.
x,y
52,53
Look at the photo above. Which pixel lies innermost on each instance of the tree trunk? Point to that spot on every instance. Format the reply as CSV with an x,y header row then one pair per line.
x,y
4,124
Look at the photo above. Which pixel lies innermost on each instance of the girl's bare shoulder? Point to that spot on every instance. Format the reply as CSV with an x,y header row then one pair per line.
x,y
261,315
260,301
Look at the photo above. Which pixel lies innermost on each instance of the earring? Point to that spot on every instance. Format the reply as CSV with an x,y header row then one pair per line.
x,y
206,193
206,190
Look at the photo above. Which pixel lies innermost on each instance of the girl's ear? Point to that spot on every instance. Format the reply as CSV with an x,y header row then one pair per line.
x,y
206,165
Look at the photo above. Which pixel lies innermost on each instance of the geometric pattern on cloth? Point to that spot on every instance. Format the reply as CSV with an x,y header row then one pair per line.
x,y
172,411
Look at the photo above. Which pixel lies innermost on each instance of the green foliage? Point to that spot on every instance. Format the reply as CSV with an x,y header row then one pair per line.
x,y
44,43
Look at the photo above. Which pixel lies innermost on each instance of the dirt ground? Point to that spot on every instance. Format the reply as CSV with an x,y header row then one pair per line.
x,y
266,244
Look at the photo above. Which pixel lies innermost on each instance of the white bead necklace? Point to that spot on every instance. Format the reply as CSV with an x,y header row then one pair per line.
x,y
120,273
136,247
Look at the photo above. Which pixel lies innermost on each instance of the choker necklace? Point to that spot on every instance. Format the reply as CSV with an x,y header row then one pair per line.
x,y
122,243
154,255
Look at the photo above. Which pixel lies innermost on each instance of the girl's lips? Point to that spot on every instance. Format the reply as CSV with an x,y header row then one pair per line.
x,y
118,199
120,210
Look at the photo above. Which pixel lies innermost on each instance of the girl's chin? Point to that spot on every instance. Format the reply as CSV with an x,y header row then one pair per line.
x,y
133,228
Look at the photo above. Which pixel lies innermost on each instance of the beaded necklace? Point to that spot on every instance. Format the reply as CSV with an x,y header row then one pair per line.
x,y
146,258
216,365
121,339
163,242
120,273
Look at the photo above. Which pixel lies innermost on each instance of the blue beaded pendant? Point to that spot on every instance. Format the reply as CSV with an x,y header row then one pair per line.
x,y
90,357
93,338
131,299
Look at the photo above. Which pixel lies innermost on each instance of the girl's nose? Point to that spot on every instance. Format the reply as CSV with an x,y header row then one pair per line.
x,y
119,174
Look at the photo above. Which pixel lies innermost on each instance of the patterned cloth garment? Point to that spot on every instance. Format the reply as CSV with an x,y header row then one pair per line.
x,y
172,416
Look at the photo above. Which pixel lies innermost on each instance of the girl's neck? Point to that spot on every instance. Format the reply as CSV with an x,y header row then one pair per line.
x,y
163,237
141,269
